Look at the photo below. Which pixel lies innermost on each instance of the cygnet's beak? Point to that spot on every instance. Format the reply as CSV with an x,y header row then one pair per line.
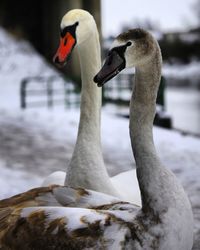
x,y
114,63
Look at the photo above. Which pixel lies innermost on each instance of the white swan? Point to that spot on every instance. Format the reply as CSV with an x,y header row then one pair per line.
x,y
66,218
86,168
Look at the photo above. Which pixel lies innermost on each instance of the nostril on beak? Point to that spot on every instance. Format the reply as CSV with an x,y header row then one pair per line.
x,y
109,61
56,60
95,79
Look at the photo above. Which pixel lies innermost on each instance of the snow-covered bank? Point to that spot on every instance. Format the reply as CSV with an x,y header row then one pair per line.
x,y
14,181
18,60
46,142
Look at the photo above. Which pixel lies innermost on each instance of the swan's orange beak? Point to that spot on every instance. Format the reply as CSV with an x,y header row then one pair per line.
x,y
66,46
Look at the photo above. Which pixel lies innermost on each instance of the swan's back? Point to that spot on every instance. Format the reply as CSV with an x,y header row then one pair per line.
x,y
55,178
65,218
127,185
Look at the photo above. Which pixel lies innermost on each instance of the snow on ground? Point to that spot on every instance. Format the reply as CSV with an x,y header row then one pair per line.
x,y
15,180
35,142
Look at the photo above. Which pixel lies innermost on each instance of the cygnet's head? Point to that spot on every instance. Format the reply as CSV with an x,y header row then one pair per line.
x,y
129,49
75,28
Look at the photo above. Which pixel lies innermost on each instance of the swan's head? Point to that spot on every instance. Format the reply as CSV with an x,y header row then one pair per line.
x,y
75,28
130,49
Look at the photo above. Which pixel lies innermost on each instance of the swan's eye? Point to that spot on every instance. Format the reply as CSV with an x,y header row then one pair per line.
x,y
129,44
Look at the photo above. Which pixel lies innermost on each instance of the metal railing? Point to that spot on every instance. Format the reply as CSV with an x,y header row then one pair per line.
x,y
55,90
46,88
119,89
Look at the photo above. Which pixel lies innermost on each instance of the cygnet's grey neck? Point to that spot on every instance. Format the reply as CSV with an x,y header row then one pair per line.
x,y
143,105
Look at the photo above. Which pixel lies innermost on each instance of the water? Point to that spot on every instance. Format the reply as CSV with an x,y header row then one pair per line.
x,y
183,105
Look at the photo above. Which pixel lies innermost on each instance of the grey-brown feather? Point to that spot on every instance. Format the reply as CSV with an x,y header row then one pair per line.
x,y
132,34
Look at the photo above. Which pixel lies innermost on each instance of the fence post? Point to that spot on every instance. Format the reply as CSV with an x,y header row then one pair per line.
x,y
161,93
23,93
49,93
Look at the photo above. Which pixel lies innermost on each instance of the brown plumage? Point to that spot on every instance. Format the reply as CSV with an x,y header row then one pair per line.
x,y
28,221
10,208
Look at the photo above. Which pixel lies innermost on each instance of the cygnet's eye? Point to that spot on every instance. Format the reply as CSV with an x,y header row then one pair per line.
x,y
129,44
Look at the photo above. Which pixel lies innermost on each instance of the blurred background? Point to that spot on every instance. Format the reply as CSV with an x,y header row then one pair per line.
x,y
176,25
39,104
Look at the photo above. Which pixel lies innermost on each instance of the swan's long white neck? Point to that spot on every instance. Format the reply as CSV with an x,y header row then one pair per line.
x,y
159,187
87,168
90,115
